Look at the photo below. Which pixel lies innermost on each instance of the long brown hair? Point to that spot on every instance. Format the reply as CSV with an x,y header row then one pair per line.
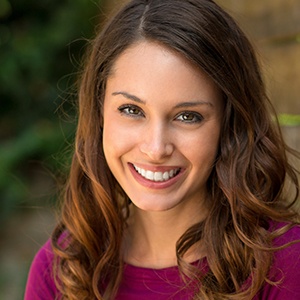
x,y
247,182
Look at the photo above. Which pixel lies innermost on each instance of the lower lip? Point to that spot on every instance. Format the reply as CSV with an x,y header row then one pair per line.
x,y
158,185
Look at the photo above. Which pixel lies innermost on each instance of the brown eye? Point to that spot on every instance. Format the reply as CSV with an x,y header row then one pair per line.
x,y
189,117
131,110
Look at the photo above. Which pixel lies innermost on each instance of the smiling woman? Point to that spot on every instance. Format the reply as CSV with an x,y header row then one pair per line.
x,y
176,189
145,140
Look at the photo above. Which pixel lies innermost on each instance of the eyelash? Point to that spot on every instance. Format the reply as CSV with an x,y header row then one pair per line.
x,y
196,117
134,111
127,110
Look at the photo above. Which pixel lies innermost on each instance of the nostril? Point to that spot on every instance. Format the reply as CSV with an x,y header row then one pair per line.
x,y
157,150
169,149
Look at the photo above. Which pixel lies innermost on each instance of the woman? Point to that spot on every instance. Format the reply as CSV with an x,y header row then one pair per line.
x,y
176,189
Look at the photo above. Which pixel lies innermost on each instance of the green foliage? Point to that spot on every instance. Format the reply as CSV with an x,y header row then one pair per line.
x,y
41,43
289,120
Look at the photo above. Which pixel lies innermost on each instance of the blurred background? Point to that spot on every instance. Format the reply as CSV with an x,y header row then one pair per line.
x,y
41,47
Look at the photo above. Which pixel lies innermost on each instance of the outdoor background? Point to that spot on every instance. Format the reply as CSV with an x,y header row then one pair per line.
x,y
41,46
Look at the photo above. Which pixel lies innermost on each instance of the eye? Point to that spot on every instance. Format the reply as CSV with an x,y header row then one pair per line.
x,y
189,117
131,110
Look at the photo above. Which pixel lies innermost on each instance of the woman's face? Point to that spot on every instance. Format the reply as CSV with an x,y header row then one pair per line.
x,y
162,119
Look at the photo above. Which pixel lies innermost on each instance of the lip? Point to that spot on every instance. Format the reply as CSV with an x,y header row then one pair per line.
x,y
155,184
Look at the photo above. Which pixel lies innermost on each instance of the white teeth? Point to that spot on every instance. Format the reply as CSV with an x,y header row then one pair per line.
x,y
166,176
143,172
157,176
149,175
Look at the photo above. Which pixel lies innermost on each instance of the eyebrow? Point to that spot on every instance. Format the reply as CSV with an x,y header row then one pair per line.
x,y
179,105
129,96
193,104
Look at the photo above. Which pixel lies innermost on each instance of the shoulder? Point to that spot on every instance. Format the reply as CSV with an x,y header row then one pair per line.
x,y
40,282
293,234
287,259
285,270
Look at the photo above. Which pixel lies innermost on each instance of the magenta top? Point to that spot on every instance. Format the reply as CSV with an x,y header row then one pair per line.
x,y
144,284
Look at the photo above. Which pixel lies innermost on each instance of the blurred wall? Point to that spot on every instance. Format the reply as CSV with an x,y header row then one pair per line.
x,y
274,28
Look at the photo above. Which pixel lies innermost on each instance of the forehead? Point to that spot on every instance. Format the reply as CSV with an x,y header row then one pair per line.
x,y
154,61
153,71
148,52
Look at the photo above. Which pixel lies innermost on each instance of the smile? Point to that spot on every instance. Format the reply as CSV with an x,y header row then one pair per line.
x,y
157,176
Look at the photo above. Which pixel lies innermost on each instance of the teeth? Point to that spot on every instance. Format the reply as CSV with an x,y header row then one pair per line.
x,y
157,176
149,175
166,176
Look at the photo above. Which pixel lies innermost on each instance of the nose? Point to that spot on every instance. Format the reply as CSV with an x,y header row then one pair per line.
x,y
157,142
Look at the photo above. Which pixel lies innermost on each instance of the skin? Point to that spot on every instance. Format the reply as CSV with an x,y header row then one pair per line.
x,y
161,115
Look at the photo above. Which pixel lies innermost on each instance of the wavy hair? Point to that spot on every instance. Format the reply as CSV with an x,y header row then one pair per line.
x,y
246,185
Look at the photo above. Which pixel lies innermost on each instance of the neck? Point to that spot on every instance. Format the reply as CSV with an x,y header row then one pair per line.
x,y
151,238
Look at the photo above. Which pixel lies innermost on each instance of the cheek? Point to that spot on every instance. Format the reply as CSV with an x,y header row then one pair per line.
x,y
203,150
110,140
109,137
116,140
